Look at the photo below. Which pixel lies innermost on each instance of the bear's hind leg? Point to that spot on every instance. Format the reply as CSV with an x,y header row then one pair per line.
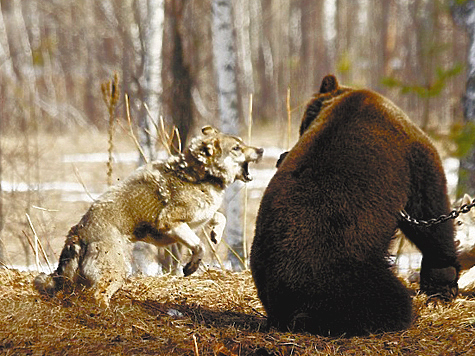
x,y
360,301
371,300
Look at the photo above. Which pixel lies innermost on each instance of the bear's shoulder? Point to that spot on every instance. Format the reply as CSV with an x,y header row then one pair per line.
x,y
347,101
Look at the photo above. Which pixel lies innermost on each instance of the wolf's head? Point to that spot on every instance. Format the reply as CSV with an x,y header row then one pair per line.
x,y
221,156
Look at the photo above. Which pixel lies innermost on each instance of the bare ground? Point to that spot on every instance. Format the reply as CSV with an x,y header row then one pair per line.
x,y
216,313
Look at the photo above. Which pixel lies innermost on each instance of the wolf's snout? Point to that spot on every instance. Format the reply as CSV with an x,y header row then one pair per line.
x,y
260,153
257,154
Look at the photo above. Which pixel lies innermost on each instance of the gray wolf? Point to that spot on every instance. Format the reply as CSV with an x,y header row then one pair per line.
x,y
319,257
160,203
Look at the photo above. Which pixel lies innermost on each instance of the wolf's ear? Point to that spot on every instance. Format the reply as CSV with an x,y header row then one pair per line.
x,y
210,147
209,130
329,84
467,199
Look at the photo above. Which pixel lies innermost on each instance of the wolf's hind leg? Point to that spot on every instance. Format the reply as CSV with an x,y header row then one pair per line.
x,y
104,269
183,234
67,270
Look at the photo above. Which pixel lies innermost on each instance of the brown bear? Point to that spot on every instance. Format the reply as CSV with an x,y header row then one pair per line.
x,y
320,257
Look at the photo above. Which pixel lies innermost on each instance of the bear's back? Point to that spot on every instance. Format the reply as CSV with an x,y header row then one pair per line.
x,y
349,166
358,124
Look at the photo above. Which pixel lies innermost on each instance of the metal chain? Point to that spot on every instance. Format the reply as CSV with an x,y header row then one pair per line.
x,y
454,214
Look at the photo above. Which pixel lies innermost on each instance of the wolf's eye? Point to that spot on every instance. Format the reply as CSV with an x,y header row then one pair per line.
x,y
236,148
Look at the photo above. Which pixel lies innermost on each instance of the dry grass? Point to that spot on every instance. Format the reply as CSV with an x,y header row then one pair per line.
x,y
220,310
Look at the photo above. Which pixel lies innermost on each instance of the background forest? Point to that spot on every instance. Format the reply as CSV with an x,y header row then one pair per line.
x,y
56,54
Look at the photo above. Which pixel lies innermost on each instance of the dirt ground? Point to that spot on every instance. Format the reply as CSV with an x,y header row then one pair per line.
x,y
215,313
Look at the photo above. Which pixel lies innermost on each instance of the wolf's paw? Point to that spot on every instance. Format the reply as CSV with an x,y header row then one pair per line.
x,y
218,224
191,267
215,237
45,284
440,282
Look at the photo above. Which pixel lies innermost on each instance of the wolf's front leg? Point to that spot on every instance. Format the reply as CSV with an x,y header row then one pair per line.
x,y
217,224
183,234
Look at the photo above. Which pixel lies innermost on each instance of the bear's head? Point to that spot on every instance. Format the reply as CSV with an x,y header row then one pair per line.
x,y
328,90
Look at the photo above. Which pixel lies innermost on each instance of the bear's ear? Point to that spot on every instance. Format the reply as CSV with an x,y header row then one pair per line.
x,y
209,130
329,84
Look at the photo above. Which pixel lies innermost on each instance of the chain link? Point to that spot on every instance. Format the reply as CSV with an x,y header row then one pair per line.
x,y
454,214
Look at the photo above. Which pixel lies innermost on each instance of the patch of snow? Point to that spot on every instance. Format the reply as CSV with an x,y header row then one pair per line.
x,y
100,157
451,167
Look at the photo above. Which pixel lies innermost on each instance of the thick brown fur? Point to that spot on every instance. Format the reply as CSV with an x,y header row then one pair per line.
x,y
160,203
319,257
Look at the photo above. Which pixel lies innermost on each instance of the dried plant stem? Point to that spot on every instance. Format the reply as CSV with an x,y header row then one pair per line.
x,y
35,248
37,244
163,137
137,144
159,131
171,254
289,119
78,177
234,253
32,245
244,237
177,133
109,151
195,344
44,209
110,94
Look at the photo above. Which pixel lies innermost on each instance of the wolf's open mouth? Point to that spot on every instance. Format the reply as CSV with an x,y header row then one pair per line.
x,y
245,172
246,176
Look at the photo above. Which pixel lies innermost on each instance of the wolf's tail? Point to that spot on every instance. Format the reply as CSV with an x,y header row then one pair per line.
x,y
67,272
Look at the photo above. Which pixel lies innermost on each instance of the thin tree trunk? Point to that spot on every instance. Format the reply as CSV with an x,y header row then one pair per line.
x,y
152,74
31,113
177,99
464,15
225,64
2,245
7,75
151,22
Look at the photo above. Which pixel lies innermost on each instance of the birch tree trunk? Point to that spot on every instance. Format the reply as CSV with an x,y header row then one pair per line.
x,y
464,15
2,245
7,75
152,74
30,113
225,66
150,17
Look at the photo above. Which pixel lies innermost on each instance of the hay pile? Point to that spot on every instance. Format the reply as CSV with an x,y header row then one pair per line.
x,y
217,313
